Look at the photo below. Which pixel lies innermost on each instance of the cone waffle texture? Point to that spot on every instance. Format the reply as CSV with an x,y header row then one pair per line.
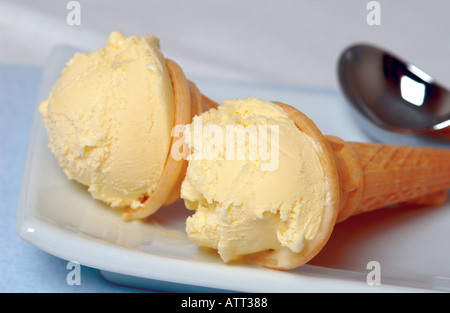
x,y
374,176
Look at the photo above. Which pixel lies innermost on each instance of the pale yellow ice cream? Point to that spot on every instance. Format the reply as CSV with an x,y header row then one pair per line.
x,y
242,207
109,119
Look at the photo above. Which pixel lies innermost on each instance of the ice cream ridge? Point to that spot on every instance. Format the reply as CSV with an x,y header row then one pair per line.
x,y
109,119
276,203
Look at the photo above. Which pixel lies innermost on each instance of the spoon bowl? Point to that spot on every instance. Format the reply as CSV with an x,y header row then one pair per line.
x,y
395,101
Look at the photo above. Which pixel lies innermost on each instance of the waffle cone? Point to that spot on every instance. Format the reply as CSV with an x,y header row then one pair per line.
x,y
188,102
374,176
362,177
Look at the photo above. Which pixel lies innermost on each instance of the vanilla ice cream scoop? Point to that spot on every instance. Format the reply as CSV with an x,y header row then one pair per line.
x,y
273,196
109,119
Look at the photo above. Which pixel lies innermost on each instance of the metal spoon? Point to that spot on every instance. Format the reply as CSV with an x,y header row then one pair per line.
x,y
394,101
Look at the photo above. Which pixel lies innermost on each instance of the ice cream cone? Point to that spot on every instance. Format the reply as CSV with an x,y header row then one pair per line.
x,y
188,103
384,175
362,177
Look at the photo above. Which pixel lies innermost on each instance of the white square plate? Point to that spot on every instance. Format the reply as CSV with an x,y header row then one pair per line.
x,y
59,216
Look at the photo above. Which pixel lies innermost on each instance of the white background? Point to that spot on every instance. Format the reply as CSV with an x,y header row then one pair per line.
x,y
271,41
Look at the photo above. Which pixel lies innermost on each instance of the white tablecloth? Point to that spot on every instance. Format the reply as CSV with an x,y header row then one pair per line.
x,y
295,42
